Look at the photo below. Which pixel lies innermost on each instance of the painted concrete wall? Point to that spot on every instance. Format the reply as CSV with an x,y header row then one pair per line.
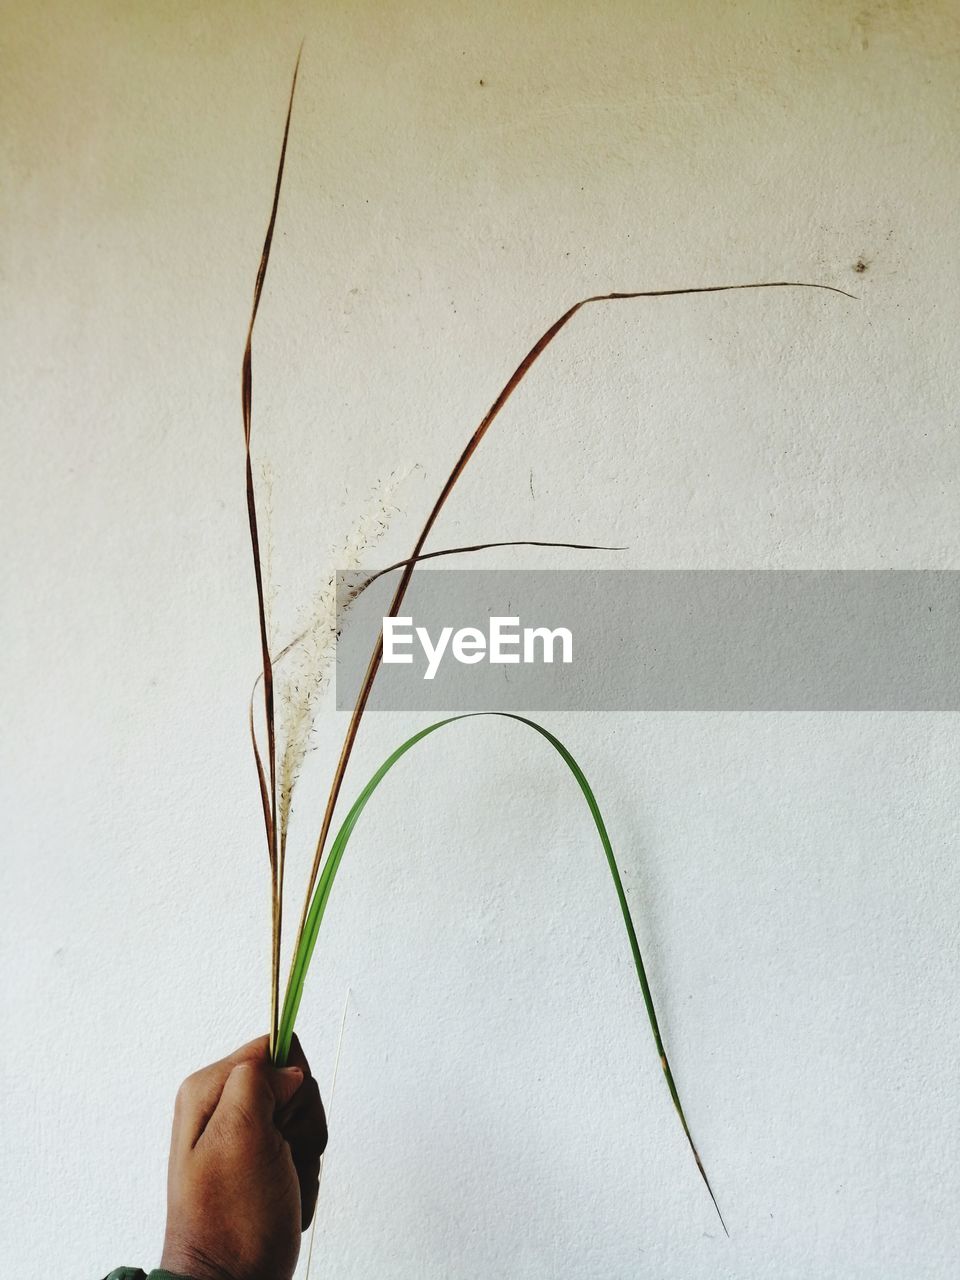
x,y
458,174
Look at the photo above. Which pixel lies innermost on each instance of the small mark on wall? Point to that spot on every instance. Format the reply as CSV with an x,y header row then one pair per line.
x,y
861,265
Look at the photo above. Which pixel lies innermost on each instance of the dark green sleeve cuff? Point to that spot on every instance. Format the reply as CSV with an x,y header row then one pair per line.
x,y
134,1273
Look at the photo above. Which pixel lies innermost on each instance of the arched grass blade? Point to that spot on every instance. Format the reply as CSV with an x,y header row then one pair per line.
x,y
521,371
321,897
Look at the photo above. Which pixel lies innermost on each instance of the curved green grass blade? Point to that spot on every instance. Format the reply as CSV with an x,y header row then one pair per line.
x,y
318,906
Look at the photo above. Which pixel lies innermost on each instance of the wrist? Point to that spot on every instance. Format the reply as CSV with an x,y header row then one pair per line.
x,y
186,1262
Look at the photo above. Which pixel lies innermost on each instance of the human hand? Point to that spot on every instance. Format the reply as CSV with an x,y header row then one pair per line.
x,y
244,1167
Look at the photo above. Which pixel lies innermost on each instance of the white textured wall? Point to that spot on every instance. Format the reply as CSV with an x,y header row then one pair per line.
x,y
458,174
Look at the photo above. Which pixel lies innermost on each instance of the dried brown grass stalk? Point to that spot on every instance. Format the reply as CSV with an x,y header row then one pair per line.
x,y
266,779
267,775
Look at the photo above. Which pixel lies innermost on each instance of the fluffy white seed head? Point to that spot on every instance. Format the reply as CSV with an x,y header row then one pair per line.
x,y
302,675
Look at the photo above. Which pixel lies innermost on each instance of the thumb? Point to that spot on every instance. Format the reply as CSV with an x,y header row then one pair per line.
x,y
257,1090
284,1083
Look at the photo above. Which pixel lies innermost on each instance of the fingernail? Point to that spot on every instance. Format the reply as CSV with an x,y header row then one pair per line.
x,y
290,1073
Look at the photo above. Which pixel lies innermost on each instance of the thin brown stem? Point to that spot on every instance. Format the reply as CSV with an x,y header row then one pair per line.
x,y
267,781
402,564
478,546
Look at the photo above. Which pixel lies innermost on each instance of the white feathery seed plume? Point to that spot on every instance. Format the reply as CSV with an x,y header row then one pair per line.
x,y
304,670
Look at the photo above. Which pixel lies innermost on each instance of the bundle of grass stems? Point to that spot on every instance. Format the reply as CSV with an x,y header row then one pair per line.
x,y
275,790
